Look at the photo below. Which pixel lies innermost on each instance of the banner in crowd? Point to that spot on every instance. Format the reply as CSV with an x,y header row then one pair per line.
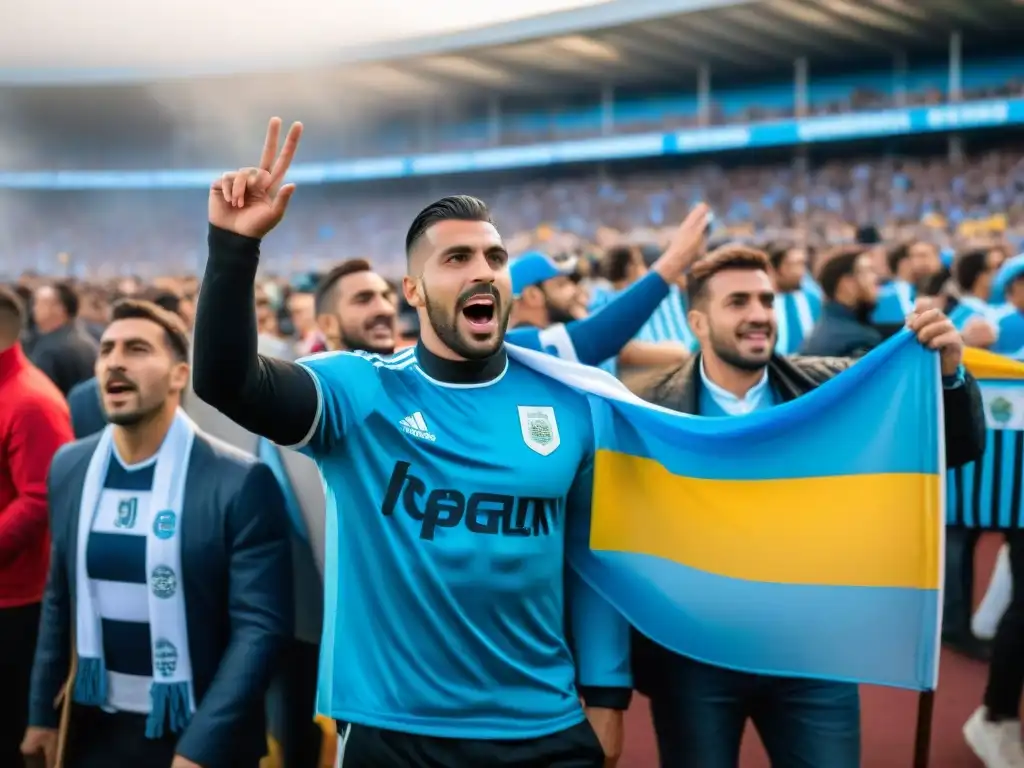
x,y
804,540
903,121
988,493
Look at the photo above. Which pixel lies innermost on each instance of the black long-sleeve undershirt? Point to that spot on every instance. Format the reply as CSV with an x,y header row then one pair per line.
x,y
272,398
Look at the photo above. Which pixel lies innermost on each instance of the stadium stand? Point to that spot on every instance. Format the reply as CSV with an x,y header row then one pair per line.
x,y
108,232
496,100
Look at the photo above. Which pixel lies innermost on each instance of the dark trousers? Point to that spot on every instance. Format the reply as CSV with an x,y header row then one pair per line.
x,y
958,596
300,737
700,712
19,628
361,746
99,739
1006,670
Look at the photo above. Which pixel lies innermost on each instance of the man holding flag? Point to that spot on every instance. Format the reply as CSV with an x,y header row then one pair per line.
x,y
456,472
700,710
449,472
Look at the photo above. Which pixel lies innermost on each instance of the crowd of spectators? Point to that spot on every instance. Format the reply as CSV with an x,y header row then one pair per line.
x,y
109,234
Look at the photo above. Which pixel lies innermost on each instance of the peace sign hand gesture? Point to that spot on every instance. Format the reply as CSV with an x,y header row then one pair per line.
x,y
251,201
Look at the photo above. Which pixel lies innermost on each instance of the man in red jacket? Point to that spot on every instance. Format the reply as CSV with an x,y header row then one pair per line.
x,y
34,423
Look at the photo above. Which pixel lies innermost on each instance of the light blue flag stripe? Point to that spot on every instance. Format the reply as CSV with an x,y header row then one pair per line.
x,y
822,434
878,636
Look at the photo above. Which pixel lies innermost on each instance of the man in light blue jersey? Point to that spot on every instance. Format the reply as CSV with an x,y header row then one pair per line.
x,y
449,472
798,299
974,272
544,296
663,338
1008,286
909,264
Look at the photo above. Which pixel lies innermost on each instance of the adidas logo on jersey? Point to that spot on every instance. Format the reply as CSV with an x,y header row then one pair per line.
x,y
415,425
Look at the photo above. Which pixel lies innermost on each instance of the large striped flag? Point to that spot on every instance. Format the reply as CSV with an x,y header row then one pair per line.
x,y
989,493
804,540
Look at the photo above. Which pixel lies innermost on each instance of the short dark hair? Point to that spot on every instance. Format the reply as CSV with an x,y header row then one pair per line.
x,y
776,252
175,333
868,234
896,254
324,296
721,259
12,309
66,295
836,266
615,262
452,208
933,284
969,267
164,299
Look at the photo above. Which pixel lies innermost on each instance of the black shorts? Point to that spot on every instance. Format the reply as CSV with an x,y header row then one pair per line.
x,y
360,746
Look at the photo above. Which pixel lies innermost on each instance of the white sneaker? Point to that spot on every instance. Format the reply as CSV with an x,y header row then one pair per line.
x,y
997,745
997,598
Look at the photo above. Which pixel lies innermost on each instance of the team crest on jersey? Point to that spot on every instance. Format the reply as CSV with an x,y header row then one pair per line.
x,y
1004,406
540,430
1001,410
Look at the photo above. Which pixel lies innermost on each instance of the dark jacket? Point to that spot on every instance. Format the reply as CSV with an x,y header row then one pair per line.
x,y
678,388
87,417
839,333
237,580
298,471
67,355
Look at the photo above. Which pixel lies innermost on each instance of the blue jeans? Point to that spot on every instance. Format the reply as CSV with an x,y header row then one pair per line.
x,y
700,712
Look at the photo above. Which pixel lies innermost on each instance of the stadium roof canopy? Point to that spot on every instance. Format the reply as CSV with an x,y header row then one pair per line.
x,y
644,43
580,43
651,42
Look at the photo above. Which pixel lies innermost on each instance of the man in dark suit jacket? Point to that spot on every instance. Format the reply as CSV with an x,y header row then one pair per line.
x,y
235,575
61,348
850,285
700,710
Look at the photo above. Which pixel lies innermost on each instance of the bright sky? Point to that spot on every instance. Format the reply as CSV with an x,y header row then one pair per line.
x,y
197,36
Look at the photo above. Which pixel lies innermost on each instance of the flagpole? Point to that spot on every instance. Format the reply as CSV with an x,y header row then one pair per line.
x,y
923,737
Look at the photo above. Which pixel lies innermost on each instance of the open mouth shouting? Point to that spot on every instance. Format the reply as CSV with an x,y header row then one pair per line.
x,y
117,390
481,313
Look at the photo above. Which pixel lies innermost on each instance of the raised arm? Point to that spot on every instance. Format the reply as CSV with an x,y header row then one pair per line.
x,y
604,333
272,398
